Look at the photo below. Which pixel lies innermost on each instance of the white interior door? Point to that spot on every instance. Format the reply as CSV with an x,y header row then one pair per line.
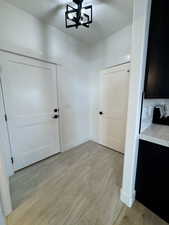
x,y
113,107
30,96
4,138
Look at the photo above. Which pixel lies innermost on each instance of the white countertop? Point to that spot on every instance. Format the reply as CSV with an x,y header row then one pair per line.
x,y
158,134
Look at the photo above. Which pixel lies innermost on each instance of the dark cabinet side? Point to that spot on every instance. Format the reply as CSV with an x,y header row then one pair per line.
x,y
157,70
152,179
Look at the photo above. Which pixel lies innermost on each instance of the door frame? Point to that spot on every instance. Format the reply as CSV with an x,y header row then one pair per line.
x,y
6,153
7,203
115,68
127,65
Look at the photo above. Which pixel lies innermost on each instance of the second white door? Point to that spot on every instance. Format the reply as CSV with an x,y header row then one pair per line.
x,y
114,84
30,97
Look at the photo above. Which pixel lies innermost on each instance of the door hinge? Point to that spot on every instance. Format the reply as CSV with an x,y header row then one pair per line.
x,y
12,160
6,118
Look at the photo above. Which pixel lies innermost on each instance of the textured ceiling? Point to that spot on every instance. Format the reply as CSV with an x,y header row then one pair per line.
x,y
108,16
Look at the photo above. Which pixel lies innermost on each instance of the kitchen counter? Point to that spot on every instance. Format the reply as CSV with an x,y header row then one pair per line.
x,y
158,134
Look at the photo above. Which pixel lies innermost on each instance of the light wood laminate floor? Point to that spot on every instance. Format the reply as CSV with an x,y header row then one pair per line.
x,y
78,187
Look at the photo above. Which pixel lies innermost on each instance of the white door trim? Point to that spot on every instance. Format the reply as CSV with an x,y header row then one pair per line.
x,y
116,67
8,55
120,67
6,152
13,49
58,82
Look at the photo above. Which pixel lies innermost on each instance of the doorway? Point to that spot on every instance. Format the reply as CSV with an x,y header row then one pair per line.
x,y
113,104
29,89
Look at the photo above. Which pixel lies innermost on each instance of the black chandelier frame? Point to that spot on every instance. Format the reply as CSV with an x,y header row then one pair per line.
x,y
79,18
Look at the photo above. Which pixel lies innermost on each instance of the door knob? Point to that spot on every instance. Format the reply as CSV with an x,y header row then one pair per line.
x,y
101,113
55,117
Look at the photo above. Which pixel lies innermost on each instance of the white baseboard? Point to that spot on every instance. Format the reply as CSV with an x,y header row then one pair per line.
x,y
67,147
95,139
127,199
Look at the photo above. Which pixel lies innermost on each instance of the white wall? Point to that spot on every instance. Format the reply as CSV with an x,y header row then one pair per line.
x,y
4,187
138,58
22,31
111,51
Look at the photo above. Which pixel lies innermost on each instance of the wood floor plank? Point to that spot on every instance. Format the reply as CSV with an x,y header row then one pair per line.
x,y
78,187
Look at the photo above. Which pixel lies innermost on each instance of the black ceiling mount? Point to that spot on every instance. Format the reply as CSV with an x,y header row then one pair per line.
x,y
78,15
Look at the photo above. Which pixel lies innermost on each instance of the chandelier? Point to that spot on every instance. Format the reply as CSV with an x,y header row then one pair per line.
x,y
78,15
